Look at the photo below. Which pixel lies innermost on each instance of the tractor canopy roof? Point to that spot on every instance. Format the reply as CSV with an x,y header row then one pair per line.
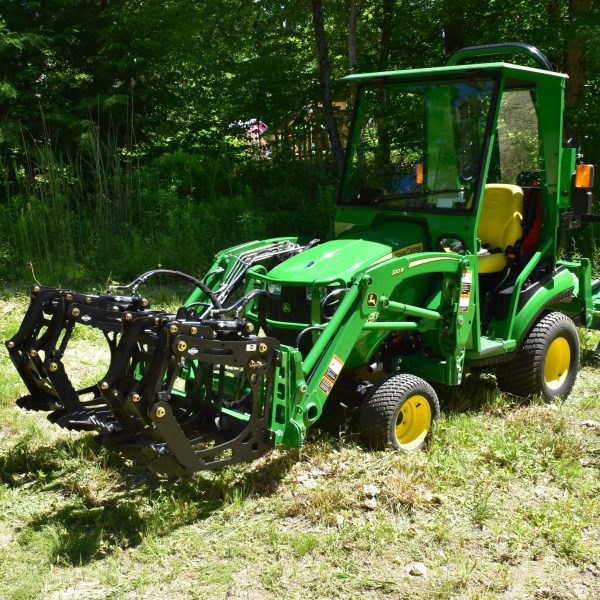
x,y
455,70
518,72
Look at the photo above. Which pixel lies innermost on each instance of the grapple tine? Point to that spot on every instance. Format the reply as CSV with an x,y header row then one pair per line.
x,y
25,345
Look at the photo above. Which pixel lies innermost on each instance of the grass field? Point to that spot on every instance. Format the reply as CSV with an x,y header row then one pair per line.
x,y
505,503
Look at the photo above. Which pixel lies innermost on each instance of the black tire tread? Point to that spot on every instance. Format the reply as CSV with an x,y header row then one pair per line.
x,y
520,376
381,403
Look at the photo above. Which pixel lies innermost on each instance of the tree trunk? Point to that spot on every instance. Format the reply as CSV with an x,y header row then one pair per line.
x,y
383,137
325,76
579,11
352,21
352,52
386,35
454,26
555,54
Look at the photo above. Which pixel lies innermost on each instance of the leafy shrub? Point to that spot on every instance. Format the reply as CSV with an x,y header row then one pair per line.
x,y
101,214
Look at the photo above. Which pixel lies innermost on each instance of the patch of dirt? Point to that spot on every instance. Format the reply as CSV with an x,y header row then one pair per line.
x,y
89,590
547,579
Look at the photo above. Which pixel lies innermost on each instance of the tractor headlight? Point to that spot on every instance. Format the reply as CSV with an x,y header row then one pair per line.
x,y
274,289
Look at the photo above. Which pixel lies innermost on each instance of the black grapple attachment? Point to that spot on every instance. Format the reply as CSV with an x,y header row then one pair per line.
x,y
201,403
181,393
184,391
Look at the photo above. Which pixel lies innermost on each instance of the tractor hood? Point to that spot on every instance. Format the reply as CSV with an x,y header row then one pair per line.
x,y
344,257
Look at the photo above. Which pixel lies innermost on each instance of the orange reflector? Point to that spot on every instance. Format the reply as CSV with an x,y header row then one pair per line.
x,y
419,173
584,176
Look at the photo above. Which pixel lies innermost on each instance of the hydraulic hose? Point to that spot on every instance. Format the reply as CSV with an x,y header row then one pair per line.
x,y
145,276
241,302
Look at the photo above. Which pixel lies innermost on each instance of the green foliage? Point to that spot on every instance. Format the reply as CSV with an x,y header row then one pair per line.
x,y
116,141
98,212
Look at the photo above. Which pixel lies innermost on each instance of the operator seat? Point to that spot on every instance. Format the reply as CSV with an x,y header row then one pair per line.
x,y
500,225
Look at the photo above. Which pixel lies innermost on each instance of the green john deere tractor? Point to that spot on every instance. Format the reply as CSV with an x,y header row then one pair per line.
x,y
458,188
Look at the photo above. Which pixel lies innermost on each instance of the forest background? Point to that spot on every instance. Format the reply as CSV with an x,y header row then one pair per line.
x,y
123,124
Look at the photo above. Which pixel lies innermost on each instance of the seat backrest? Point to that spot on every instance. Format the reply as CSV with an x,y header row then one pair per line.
x,y
532,221
501,221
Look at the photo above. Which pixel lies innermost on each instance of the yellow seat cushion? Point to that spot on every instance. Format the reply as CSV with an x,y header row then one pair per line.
x,y
500,224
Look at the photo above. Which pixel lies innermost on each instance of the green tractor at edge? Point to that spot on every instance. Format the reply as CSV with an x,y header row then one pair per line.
x,y
457,190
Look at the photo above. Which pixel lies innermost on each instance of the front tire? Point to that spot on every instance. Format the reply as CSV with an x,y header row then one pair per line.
x,y
399,412
547,363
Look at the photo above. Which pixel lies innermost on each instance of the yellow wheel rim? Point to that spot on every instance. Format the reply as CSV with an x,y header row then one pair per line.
x,y
413,422
557,363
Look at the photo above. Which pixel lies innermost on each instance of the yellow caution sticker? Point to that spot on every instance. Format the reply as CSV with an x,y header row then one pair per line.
x,y
465,291
325,385
331,374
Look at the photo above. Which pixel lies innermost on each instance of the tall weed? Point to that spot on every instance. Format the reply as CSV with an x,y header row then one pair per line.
x,y
103,211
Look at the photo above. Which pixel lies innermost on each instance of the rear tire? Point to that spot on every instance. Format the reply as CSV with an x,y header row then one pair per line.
x,y
547,363
399,412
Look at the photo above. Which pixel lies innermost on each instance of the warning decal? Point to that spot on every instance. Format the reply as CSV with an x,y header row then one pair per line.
x,y
331,374
334,368
325,385
465,291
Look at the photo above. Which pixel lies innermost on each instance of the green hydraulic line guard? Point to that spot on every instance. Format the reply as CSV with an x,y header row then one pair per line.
x,y
287,324
331,329
235,414
505,48
411,311
392,326
253,272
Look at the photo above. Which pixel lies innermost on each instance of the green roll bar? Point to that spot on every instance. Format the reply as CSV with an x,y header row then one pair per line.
x,y
505,48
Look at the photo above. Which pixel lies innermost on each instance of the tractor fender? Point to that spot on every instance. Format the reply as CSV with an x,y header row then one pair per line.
x,y
558,289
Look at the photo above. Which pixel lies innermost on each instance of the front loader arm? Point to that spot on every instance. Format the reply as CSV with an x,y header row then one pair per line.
x,y
228,271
